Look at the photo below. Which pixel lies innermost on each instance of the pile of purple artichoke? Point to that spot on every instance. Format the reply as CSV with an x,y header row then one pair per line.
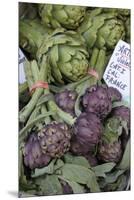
x,y
74,129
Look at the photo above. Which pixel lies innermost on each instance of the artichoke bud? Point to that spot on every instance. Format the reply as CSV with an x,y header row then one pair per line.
x,y
52,141
97,101
67,56
87,133
66,101
66,16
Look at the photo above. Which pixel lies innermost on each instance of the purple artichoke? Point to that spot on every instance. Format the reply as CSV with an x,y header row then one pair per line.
x,y
87,132
33,156
110,152
97,100
51,141
54,139
66,101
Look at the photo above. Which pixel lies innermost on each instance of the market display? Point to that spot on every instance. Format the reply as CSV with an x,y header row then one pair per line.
x,y
74,129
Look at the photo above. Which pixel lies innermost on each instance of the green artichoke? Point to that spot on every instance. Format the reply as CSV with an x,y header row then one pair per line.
x,y
66,16
52,141
110,149
31,35
102,30
67,56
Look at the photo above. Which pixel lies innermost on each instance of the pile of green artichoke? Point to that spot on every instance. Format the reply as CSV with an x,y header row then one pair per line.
x,y
74,130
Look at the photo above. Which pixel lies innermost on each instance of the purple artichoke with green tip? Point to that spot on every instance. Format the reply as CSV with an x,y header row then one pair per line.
x,y
110,149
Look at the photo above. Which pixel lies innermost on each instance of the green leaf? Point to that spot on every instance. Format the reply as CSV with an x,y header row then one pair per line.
x,y
76,173
78,160
45,170
93,184
101,170
80,174
50,185
125,162
59,163
111,178
77,188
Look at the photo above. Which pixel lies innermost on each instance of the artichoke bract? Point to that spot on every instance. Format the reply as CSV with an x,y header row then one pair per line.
x,y
67,56
114,94
87,131
97,100
66,16
52,141
66,101
102,30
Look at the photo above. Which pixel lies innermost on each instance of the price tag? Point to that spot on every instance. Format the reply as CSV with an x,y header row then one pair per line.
x,y
22,59
117,73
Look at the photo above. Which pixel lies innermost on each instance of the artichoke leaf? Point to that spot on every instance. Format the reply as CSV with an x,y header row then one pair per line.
x,y
77,160
49,185
75,173
125,162
112,177
101,170
45,170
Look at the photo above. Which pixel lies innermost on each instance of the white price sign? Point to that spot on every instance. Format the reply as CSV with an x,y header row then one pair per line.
x,y
117,73
22,59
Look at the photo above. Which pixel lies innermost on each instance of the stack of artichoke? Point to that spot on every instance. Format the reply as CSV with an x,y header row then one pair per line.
x,y
74,129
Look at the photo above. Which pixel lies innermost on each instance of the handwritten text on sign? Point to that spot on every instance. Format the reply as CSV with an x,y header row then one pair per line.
x,y
117,73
